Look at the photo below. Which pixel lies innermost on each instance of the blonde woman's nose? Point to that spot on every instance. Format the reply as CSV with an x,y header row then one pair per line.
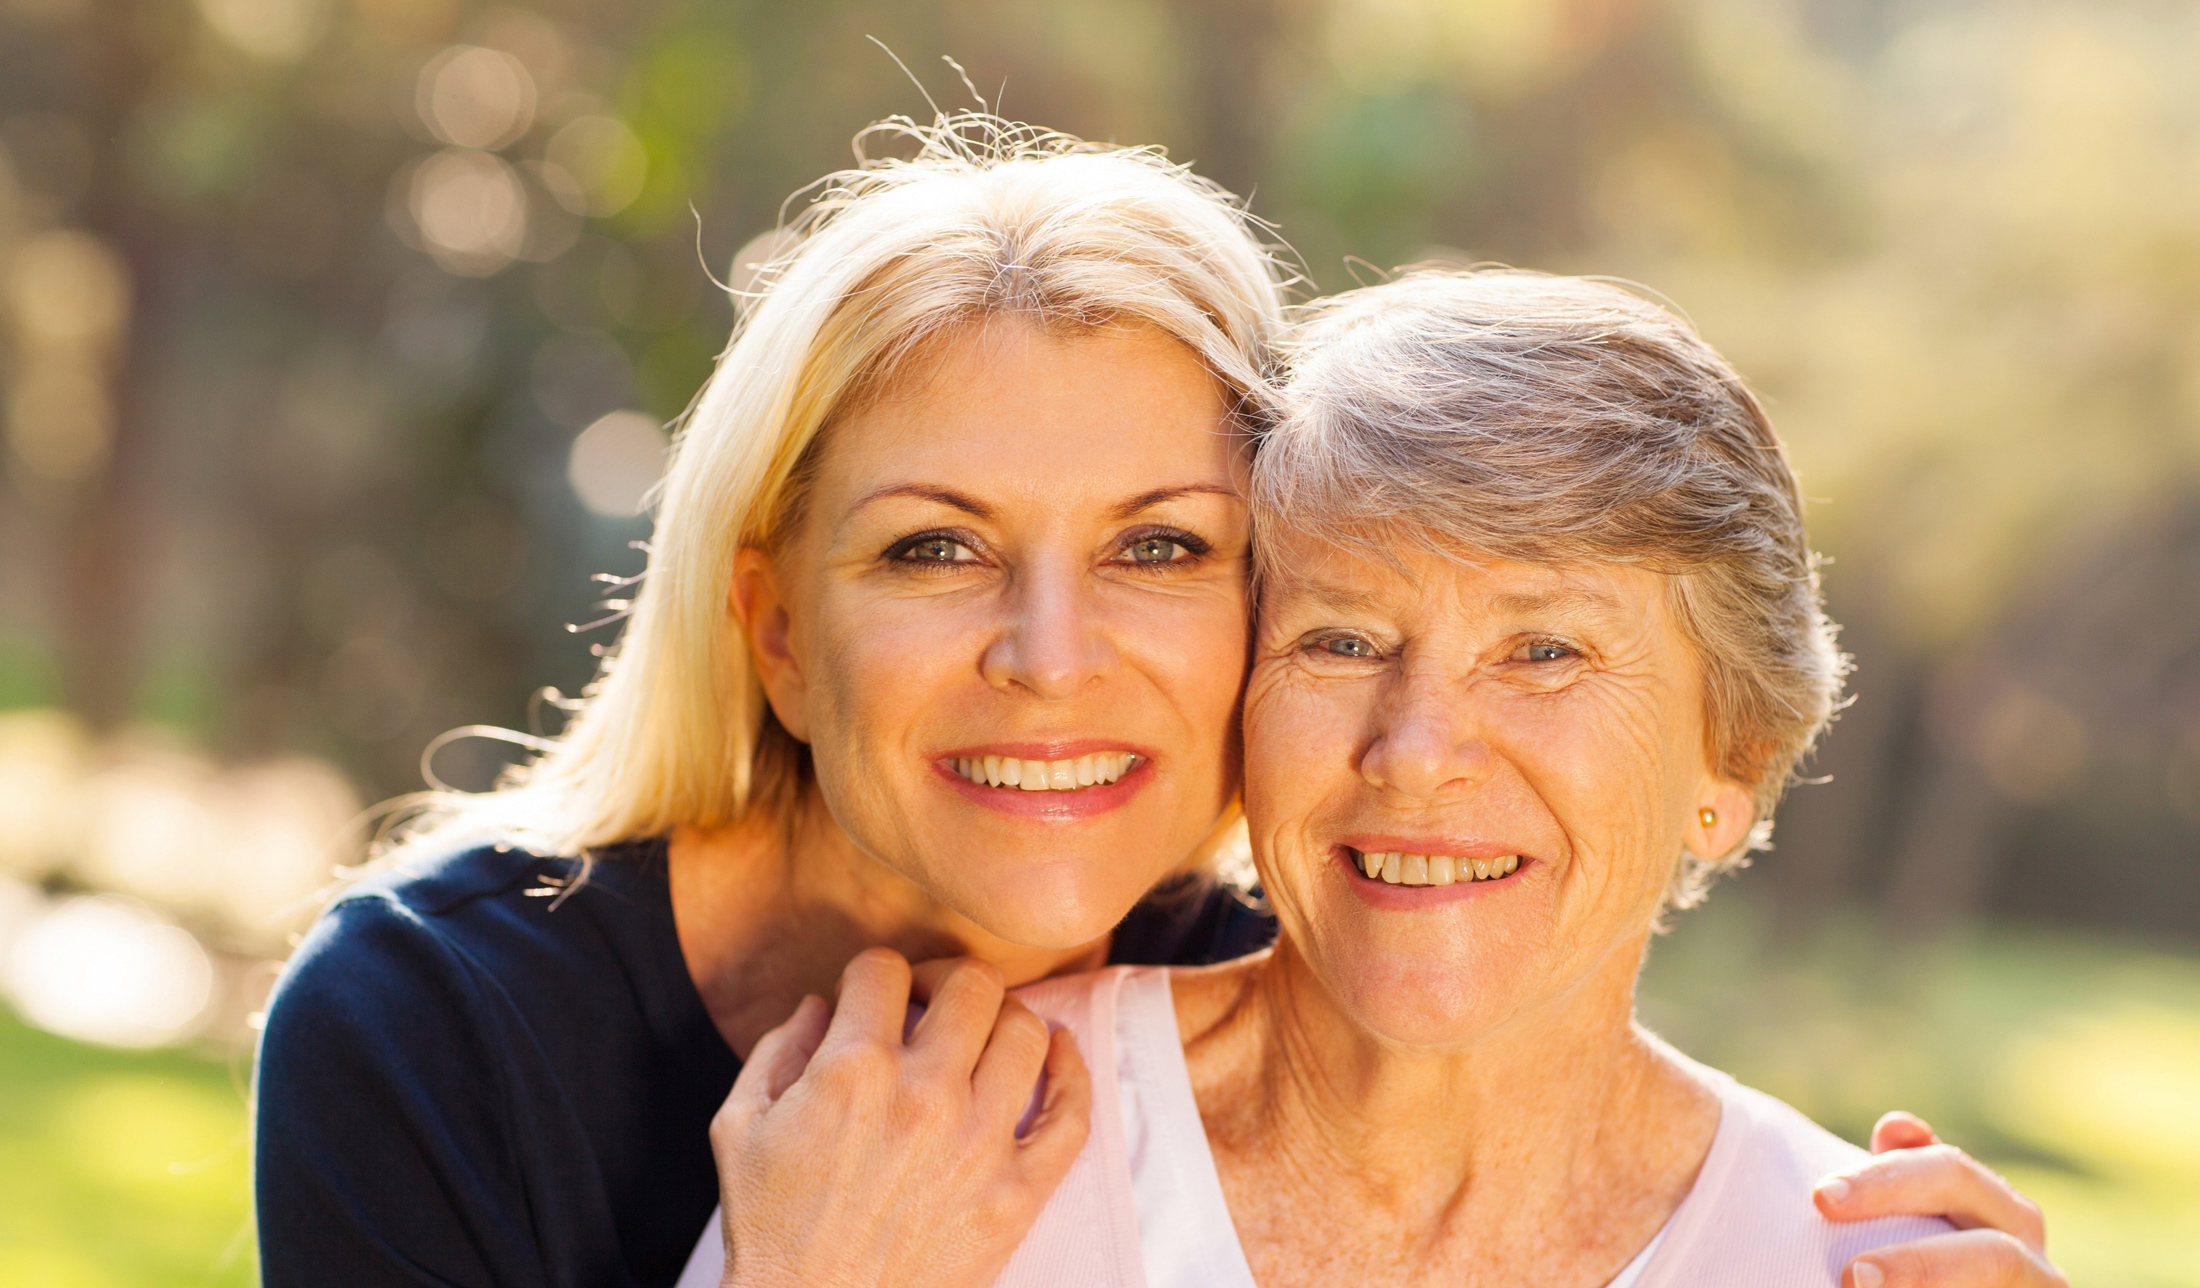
x,y
1053,644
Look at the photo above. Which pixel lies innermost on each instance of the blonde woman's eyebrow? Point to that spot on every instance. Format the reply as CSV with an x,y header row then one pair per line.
x,y
946,496
1148,500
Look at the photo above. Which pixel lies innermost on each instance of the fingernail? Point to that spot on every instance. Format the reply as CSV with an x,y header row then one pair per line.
x,y
1836,1191
1866,1275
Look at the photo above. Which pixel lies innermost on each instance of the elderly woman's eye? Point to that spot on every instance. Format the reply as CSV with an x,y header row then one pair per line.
x,y
1543,651
1348,646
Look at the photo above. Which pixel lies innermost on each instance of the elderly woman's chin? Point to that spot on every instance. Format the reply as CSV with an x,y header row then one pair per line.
x,y
1437,969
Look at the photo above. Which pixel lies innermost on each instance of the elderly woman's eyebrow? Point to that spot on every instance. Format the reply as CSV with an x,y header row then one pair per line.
x,y
1565,601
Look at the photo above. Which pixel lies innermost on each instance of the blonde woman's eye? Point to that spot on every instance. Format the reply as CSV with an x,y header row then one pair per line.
x,y
1165,547
933,549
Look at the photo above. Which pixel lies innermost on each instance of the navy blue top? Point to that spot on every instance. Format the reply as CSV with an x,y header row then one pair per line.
x,y
460,1085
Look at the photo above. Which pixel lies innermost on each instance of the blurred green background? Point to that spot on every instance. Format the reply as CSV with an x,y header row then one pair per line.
x,y
336,335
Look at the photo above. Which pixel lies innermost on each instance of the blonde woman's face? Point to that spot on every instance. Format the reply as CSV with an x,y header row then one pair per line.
x,y
1012,627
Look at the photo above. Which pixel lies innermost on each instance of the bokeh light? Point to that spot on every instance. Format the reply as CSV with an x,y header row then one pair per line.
x,y
616,461
475,97
471,210
105,970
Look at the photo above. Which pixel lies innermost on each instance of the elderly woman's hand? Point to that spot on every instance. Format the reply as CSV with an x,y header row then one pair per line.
x,y
847,1156
2000,1241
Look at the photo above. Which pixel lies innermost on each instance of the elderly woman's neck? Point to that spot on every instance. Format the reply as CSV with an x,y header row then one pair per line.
x,y
771,909
1565,1098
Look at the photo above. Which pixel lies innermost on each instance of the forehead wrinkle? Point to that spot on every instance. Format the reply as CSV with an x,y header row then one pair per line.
x,y
1561,601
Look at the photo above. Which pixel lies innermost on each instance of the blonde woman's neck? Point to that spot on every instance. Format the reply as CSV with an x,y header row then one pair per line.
x,y
770,909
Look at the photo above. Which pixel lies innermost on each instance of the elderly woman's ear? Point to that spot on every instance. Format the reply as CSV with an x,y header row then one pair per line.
x,y
1725,811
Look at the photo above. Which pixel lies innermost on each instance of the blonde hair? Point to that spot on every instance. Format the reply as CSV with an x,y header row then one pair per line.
x,y
987,220
1560,420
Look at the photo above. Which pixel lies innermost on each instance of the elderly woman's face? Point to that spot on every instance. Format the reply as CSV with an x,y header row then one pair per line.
x,y
1516,751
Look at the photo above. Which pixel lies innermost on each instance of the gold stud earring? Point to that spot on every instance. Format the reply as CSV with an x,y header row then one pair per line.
x,y
1707,816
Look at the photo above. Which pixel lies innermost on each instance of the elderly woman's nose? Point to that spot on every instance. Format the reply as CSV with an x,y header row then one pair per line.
x,y
1053,643
1427,746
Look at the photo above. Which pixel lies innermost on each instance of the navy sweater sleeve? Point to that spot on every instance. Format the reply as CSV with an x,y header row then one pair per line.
x,y
466,1082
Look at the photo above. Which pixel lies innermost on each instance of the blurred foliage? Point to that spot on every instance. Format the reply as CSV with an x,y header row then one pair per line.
x,y
120,1169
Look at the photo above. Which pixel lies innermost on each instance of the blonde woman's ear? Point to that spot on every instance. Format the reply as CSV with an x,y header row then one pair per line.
x,y
756,603
1724,814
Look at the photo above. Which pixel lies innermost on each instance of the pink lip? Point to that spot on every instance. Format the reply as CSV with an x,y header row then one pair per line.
x,y
1048,806
1386,897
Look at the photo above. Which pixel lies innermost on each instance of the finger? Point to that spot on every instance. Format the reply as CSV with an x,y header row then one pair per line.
x,y
1008,1072
1899,1130
952,1034
1937,1180
873,999
1064,1118
925,977
777,1060
1961,1259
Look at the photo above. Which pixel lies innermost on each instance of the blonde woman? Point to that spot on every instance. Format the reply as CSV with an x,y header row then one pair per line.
x,y
939,652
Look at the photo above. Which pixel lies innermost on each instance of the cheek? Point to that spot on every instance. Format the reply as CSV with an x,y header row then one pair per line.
x,y
1300,750
1193,648
877,667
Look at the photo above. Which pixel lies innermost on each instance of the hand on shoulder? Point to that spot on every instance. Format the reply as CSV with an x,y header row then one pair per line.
x,y
847,1155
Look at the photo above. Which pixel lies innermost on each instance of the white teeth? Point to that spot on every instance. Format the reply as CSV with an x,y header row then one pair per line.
x,y
1045,775
1398,868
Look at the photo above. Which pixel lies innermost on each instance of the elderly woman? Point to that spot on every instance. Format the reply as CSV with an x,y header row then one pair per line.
x,y
1540,644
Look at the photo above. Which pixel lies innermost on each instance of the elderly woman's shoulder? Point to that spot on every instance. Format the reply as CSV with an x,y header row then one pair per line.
x,y
1750,1218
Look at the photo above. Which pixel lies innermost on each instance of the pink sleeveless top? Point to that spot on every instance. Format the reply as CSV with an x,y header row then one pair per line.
x,y
1142,1207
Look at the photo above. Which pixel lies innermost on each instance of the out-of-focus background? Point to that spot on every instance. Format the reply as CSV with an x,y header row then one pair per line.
x,y
336,337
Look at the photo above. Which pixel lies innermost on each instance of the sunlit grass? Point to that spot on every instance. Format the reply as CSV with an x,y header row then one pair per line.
x,y
119,1170
2070,1062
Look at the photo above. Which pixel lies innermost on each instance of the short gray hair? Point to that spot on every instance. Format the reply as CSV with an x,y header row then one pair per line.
x,y
1559,420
